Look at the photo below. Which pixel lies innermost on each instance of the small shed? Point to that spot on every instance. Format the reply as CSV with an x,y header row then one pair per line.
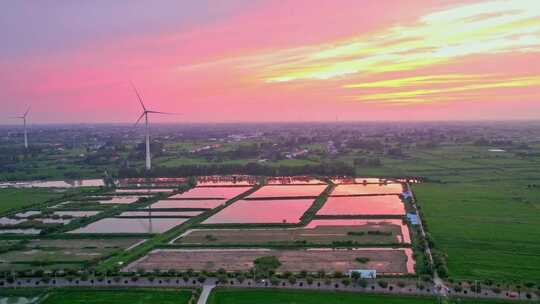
x,y
406,194
413,218
364,273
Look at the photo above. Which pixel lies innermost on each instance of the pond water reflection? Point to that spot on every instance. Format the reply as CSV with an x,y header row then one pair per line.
x,y
262,211
131,225
363,205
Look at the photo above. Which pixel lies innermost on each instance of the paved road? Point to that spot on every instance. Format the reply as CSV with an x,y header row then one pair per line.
x,y
205,293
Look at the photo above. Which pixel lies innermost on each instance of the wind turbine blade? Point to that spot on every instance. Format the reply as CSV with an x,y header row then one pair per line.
x,y
26,113
140,117
138,95
166,113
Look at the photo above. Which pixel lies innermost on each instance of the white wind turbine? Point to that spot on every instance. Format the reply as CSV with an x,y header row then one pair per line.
x,y
145,115
23,117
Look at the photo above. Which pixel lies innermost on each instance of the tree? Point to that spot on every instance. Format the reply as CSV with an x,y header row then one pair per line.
x,y
383,284
221,279
240,278
266,263
292,280
201,278
363,283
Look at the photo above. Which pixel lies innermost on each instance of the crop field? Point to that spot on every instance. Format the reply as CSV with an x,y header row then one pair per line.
x,y
478,208
262,211
369,232
363,205
384,260
277,191
280,296
118,296
18,198
61,253
488,230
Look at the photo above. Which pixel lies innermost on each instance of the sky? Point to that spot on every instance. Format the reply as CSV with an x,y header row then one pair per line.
x,y
267,60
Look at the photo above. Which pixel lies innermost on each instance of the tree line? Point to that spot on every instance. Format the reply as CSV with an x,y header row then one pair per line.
x,y
325,168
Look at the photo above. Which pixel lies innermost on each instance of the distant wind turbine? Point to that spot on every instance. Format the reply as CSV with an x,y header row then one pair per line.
x,y
23,117
145,115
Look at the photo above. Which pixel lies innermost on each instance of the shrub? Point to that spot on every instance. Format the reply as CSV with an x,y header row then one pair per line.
x,y
266,263
241,278
363,283
338,274
362,260
221,279
382,284
292,280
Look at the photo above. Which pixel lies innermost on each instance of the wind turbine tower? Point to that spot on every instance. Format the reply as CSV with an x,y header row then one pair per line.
x,y
147,130
23,117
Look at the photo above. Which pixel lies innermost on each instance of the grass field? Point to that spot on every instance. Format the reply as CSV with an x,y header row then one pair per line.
x,y
119,296
478,208
62,253
487,229
275,296
17,198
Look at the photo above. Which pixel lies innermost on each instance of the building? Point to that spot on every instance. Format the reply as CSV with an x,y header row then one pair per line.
x,y
413,218
364,273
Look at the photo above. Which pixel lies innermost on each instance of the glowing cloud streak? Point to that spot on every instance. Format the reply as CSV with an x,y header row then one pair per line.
x,y
483,28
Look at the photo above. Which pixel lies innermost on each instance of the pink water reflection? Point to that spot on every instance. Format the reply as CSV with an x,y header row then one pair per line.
x,y
262,211
363,205
148,213
131,225
212,192
209,204
361,189
275,191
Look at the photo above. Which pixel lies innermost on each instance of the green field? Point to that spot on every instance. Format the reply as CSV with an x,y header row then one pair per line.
x,y
19,198
487,229
277,296
477,207
119,296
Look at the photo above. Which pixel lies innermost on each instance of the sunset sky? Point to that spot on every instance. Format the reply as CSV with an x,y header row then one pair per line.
x,y
268,60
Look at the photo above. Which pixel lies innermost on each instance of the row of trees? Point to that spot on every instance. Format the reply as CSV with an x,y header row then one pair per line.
x,y
326,168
